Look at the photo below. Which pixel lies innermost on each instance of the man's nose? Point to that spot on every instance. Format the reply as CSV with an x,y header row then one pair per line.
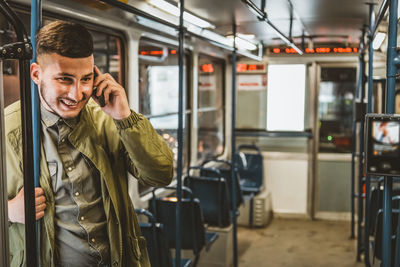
x,y
76,91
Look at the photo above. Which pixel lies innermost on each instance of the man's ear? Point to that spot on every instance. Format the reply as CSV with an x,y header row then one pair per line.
x,y
36,73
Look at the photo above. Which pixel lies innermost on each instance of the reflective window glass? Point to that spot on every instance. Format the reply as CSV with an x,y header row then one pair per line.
x,y
159,93
211,107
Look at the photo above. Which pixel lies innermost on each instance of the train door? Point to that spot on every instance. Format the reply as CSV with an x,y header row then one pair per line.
x,y
336,88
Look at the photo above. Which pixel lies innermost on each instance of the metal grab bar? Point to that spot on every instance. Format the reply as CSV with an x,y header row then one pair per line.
x,y
262,16
133,10
24,54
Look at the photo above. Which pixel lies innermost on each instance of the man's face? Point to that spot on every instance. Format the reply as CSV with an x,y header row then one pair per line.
x,y
65,84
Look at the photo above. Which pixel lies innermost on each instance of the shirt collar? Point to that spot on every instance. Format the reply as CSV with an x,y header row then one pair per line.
x,y
50,119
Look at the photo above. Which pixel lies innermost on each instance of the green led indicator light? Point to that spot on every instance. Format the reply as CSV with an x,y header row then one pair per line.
x,y
329,138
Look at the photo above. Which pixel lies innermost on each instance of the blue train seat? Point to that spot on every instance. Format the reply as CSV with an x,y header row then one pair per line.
x,y
376,204
212,191
193,233
157,244
378,235
225,170
250,168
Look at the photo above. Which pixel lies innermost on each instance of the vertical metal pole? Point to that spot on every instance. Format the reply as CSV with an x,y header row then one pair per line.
x,y
27,140
397,247
28,164
359,87
291,21
36,19
180,135
233,148
370,107
360,167
390,93
4,245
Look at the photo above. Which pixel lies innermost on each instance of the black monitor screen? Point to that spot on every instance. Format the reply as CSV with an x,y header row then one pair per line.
x,y
382,144
386,137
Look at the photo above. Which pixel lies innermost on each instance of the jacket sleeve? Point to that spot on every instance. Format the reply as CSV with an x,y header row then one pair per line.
x,y
14,169
148,156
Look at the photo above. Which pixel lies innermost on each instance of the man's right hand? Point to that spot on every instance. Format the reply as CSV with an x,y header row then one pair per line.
x,y
16,206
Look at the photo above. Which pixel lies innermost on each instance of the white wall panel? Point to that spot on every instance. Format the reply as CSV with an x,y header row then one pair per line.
x,y
286,177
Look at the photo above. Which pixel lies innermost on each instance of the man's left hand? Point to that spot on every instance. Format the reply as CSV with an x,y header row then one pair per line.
x,y
116,102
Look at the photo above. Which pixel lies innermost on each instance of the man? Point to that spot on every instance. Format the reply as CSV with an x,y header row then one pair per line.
x,y
88,217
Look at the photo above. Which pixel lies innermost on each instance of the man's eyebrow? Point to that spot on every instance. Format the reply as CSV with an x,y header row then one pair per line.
x,y
66,74
88,75
71,75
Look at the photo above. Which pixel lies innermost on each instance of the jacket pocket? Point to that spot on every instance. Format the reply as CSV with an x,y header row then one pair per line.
x,y
17,259
53,173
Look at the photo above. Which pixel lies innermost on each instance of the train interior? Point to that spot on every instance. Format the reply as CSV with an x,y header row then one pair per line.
x,y
272,156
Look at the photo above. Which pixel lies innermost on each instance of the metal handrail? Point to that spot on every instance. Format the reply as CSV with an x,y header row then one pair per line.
x,y
133,10
262,16
24,54
379,17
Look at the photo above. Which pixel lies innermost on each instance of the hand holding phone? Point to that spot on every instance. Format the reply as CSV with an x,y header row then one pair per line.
x,y
110,95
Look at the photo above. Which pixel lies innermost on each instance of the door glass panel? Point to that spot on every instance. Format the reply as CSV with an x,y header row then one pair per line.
x,y
336,92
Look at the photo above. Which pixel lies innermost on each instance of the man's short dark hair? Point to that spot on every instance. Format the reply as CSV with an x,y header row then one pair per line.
x,y
64,38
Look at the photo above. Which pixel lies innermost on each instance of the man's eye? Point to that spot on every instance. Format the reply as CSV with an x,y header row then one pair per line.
x,y
87,79
64,79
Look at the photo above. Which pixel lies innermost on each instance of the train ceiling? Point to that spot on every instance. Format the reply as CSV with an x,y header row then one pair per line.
x,y
335,21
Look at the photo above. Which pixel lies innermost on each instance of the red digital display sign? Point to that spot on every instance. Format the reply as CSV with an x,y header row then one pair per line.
x,y
156,52
209,68
317,50
242,67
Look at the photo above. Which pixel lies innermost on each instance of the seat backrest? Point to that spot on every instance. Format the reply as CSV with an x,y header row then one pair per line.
x,y
376,203
157,245
378,235
214,200
192,227
225,171
254,170
374,206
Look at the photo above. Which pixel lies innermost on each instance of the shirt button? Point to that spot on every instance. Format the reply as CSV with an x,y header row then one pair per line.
x,y
69,168
63,140
93,240
82,218
76,193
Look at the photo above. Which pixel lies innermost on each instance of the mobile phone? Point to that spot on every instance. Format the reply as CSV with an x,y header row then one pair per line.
x,y
101,100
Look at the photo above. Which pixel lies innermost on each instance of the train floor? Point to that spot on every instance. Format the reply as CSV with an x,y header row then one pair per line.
x,y
300,243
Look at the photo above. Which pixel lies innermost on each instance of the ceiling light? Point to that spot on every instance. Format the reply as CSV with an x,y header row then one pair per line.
x,y
173,10
247,36
242,43
378,40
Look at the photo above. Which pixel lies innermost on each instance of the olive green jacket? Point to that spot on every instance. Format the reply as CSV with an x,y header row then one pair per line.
x,y
134,146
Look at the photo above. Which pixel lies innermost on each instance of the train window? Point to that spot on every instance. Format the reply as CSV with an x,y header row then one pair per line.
x,y
286,97
10,67
158,94
210,107
336,92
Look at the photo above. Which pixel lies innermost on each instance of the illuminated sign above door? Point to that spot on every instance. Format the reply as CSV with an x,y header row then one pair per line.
x,y
317,50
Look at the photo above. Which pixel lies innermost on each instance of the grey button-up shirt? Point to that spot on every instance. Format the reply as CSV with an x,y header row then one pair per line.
x,y
80,223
